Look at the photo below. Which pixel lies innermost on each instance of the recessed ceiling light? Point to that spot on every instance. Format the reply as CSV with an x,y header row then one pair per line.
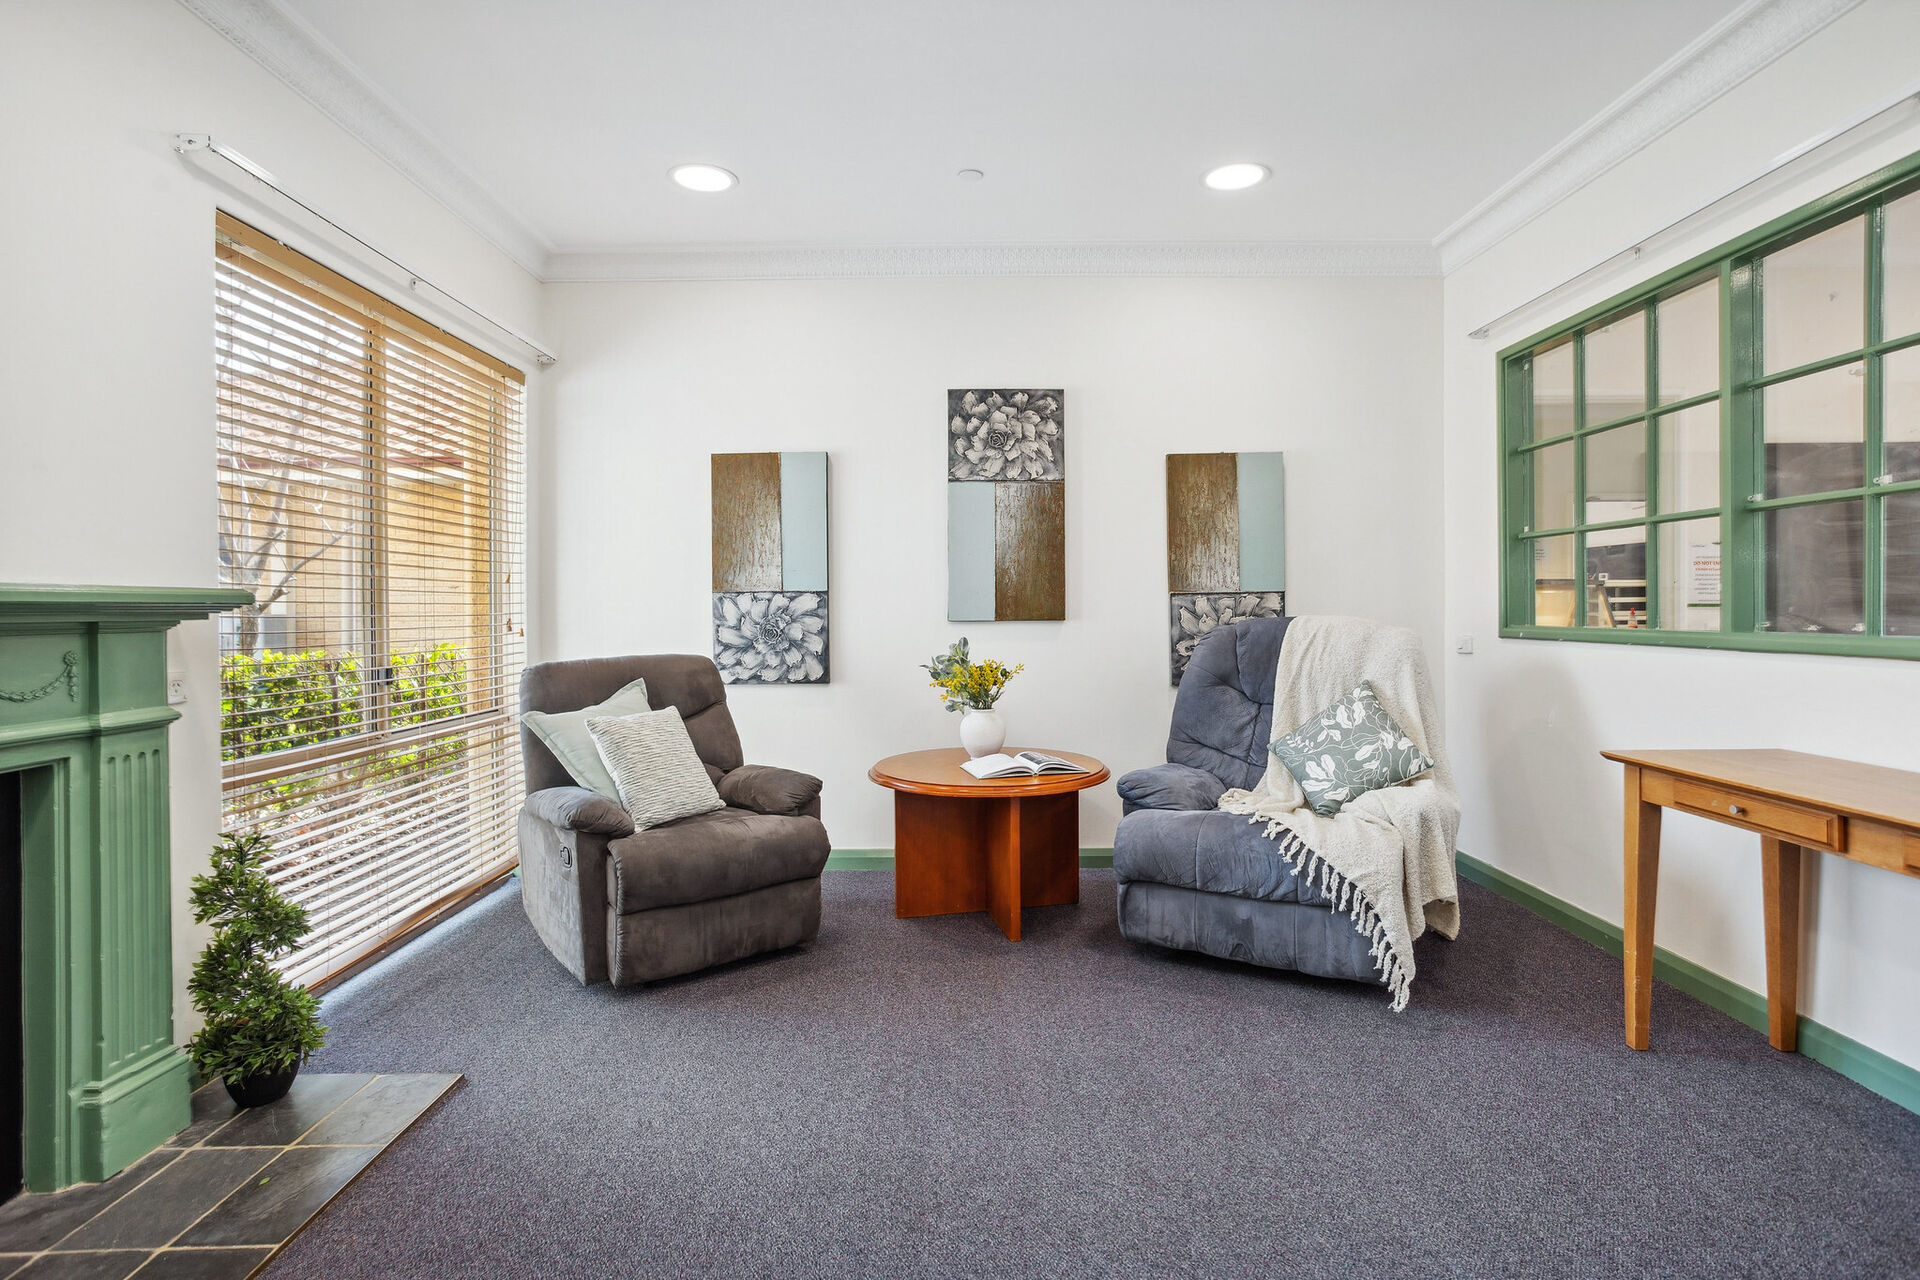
x,y
702,177
1237,177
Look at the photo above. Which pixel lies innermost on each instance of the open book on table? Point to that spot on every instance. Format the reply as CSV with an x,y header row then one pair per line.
x,y
1024,764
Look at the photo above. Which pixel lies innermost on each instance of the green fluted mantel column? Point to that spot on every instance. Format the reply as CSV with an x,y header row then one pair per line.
x,y
83,720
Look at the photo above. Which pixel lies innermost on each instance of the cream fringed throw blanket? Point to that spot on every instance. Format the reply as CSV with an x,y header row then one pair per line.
x,y
1386,859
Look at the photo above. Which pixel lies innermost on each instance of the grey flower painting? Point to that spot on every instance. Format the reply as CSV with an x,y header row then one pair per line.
x,y
1226,543
1006,506
770,567
1194,615
770,637
1006,435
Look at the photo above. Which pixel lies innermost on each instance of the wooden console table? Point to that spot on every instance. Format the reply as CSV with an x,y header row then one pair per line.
x,y
1795,802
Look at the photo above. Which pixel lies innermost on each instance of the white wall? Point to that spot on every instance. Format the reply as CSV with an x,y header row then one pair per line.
x,y
1529,718
108,471
1341,374
106,332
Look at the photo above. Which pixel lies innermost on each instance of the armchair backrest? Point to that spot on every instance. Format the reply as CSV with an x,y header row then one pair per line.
x,y
683,680
1223,714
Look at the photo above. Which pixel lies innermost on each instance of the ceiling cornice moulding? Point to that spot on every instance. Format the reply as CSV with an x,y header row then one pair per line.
x,y
314,70
815,262
1734,49
1742,43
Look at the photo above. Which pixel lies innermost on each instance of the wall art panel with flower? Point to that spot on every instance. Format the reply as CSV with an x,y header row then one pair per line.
x,y
770,568
1226,544
1006,505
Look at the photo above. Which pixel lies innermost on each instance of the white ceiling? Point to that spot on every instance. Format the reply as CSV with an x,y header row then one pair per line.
x,y
1383,120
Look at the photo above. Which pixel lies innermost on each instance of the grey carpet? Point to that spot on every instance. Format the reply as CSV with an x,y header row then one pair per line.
x,y
922,1097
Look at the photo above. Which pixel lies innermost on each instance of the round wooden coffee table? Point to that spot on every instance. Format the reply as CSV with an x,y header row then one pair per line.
x,y
962,843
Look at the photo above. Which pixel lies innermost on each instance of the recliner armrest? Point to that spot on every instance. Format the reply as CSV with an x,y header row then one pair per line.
x,y
578,809
777,792
1169,786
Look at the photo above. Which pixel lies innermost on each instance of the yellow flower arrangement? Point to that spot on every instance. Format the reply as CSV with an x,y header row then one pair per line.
x,y
965,684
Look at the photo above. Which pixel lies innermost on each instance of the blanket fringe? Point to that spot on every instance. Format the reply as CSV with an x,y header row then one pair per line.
x,y
1348,899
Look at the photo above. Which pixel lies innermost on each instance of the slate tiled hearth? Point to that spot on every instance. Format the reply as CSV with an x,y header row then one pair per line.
x,y
219,1199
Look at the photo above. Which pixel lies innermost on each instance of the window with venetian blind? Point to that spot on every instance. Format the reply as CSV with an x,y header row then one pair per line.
x,y
370,479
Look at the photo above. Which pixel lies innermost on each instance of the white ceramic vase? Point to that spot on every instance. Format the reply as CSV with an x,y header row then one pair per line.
x,y
982,732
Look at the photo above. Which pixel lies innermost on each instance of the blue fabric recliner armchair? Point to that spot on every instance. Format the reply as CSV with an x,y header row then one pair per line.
x,y
1196,879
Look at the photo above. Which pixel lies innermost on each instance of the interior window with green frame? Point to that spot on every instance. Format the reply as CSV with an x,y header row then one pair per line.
x,y
1729,455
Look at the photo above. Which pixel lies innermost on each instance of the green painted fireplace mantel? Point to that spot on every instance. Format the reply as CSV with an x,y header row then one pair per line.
x,y
83,721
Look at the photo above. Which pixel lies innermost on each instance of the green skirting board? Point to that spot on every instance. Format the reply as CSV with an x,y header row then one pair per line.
x,y
882,859
1887,1077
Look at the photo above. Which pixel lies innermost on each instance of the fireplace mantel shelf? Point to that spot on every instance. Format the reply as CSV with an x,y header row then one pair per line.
x,y
106,604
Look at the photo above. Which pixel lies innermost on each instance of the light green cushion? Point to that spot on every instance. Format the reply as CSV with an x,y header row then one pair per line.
x,y
1349,749
565,734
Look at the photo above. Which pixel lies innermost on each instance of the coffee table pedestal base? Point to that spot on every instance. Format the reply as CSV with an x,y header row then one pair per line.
x,y
993,854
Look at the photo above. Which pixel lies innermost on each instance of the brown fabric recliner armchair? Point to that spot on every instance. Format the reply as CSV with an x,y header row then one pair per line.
x,y
613,904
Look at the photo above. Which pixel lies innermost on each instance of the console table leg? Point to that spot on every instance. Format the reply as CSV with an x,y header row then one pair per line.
x,y
1780,885
1643,883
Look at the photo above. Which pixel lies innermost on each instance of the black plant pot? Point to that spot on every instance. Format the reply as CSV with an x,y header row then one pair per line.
x,y
258,1091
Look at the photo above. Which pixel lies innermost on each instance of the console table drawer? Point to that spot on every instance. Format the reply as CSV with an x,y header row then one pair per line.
x,y
1788,821
1880,844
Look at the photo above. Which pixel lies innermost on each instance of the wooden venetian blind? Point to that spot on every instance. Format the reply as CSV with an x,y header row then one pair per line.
x,y
370,477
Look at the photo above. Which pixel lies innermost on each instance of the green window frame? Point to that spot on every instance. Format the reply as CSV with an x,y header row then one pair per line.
x,y
1743,507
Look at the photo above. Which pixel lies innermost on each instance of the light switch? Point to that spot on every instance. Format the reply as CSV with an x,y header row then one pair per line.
x,y
1463,645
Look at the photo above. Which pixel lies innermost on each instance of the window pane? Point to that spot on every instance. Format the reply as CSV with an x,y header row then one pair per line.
x,y
1690,343
1816,568
1901,417
1902,565
1616,470
293,471
1553,486
1900,257
1814,432
1690,458
1617,577
1689,552
1553,392
1554,597
1813,297
1617,368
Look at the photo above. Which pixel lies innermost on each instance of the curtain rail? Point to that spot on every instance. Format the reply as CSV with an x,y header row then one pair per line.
x,y
1907,97
185,143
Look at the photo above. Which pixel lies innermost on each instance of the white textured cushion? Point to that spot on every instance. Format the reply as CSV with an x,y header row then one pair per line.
x,y
565,734
655,767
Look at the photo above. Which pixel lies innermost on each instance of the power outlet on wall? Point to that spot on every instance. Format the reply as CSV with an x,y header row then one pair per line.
x,y
176,688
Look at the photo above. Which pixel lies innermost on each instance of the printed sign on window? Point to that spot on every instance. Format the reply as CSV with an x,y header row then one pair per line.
x,y
1703,573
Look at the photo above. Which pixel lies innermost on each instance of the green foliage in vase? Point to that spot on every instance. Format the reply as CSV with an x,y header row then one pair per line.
x,y
257,1023
966,685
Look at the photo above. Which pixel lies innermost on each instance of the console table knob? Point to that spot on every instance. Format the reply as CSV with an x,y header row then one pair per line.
x,y
1736,810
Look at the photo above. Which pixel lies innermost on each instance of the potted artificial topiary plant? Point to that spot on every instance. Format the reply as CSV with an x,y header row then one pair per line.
x,y
259,1027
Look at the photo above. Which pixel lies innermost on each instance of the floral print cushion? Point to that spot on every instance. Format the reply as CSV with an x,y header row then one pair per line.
x,y
1349,749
